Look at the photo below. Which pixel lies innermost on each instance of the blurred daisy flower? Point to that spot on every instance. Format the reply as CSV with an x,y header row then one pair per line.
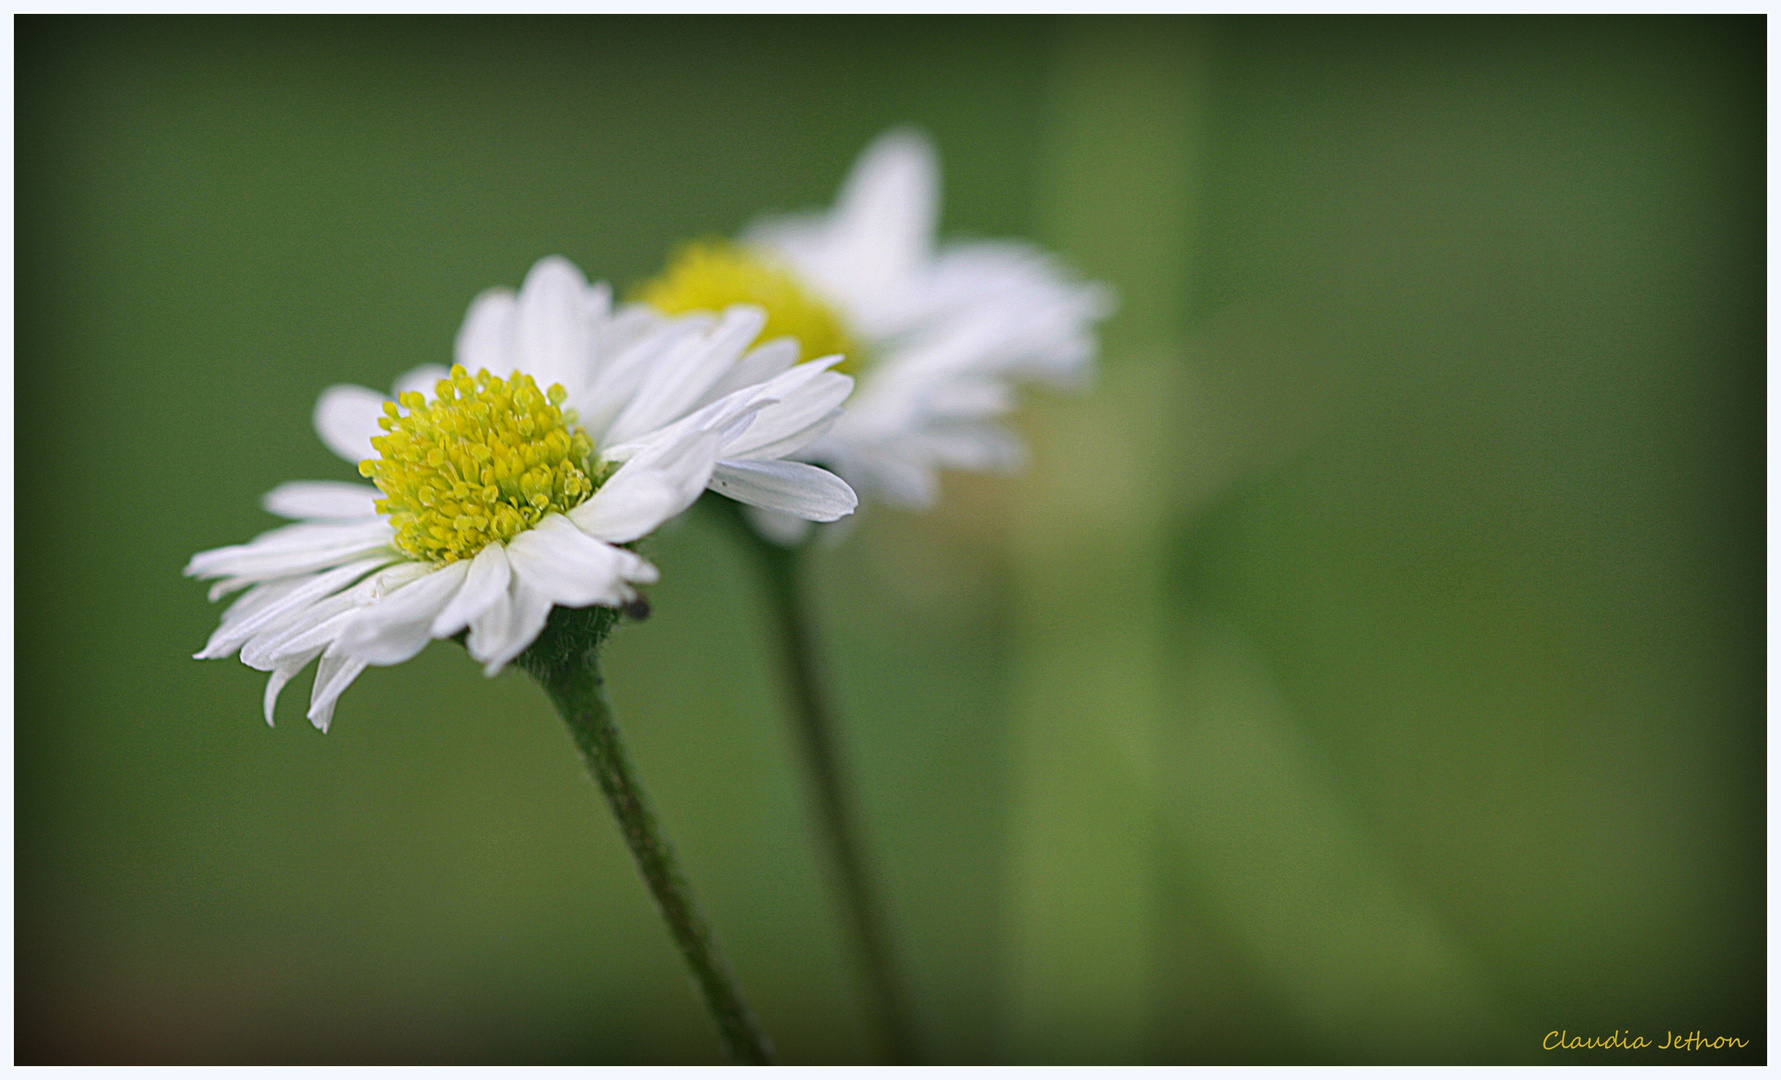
x,y
511,483
937,334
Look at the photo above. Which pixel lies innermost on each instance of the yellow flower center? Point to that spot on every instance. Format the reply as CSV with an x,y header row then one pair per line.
x,y
481,463
713,274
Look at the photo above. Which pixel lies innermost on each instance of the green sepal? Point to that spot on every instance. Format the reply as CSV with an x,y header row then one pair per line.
x,y
571,638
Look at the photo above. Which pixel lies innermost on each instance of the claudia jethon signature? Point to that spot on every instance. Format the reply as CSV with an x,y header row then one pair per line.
x,y
1564,1040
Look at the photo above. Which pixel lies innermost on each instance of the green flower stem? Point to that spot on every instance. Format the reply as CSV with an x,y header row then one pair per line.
x,y
779,567
565,661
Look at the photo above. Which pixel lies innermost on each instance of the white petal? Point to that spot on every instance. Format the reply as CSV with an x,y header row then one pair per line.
x,y
228,585
281,675
691,368
971,399
759,365
329,499
882,230
346,419
333,675
656,484
596,302
484,585
726,417
299,631
571,568
729,414
551,339
423,380
795,421
229,636
797,441
285,540
894,188
491,632
977,446
878,470
294,549
509,626
620,375
792,486
396,627
485,339
262,567
308,631
257,598
306,636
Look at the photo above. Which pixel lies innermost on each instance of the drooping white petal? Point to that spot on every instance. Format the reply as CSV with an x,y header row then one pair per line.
x,y
229,636
227,585
322,499
491,630
394,628
308,629
257,598
314,630
346,419
573,569
333,675
791,486
484,586
506,629
281,675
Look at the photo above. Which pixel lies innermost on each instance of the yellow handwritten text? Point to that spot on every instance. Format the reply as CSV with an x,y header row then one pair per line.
x,y
1561,1040
1564,1040
1697,1041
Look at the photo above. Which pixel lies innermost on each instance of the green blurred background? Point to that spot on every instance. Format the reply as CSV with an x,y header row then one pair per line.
x,y
1368,669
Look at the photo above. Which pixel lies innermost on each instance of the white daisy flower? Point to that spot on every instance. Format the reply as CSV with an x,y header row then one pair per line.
x,y
937,334
510,483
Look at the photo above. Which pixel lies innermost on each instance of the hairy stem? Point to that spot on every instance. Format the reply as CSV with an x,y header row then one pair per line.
x,y
818,740
571,676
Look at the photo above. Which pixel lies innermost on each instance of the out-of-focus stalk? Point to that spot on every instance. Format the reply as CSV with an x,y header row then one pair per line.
x,y
819,741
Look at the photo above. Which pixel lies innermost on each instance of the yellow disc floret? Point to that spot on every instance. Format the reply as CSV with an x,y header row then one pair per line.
x,y
482,462
713,274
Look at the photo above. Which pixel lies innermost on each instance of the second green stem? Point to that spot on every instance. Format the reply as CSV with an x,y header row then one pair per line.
x,y
818,739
